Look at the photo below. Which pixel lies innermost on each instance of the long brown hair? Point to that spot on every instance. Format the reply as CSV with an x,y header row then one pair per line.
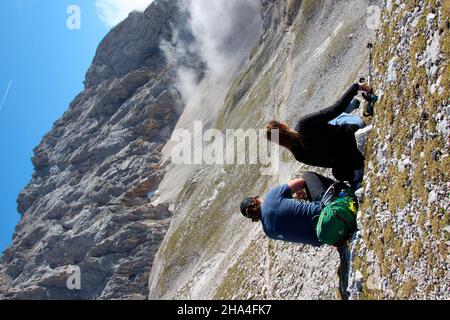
x,y
287,136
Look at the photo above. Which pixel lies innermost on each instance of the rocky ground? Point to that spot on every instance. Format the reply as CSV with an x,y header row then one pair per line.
x,y
402,248
87,203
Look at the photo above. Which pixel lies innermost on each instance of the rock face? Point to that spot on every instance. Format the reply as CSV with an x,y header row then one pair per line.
x,y
402,248
133,44
87,202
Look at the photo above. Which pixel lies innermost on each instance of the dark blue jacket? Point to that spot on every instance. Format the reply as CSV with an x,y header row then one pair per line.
x,y
285,218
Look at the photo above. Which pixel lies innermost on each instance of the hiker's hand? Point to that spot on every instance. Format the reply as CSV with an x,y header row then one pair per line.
x,y
365,87
301,195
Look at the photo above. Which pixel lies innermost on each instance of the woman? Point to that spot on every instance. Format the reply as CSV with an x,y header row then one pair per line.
x,y
327,138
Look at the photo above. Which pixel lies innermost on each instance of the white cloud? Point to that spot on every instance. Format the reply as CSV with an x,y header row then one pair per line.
x,y
113,12
224,32
224,29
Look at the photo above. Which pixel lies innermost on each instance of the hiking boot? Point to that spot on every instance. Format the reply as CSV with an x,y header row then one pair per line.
x,y
351,128
357,179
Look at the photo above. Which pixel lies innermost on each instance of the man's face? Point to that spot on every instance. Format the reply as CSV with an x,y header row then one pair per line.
x,y
254,209
257,201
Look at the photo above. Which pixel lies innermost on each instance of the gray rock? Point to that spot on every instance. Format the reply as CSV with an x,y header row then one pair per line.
x,y
432,51
432,197
80,209
430,17
133,44
389,5
392,72
443,127
435,155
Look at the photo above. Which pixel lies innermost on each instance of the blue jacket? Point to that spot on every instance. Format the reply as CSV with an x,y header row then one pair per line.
x,y
287,219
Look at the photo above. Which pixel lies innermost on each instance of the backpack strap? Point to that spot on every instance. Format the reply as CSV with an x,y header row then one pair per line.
x,y
342,219
328,196
343,242
315,220
332,192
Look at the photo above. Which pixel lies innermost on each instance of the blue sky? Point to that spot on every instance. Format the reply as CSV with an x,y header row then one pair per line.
x,y
43,63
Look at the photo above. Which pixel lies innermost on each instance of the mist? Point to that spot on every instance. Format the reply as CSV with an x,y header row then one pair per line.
x,y
223,32
207,52
222,29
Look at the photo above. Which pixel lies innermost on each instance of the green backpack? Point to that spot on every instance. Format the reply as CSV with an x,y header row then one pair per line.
x,y
337,220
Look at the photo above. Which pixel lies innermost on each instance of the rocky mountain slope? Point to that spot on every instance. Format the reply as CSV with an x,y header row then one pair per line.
x,y
236,65
87,204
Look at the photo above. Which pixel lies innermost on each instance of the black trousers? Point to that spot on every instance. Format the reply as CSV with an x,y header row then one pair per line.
x,y
351,159
316,185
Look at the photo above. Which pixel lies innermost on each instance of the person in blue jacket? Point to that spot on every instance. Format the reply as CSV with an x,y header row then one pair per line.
x,y
285,218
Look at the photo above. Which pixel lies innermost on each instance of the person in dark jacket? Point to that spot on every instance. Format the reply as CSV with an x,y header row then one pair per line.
x,y
321,139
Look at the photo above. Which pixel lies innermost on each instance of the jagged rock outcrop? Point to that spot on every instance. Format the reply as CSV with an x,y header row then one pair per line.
x,y
134,44
87,204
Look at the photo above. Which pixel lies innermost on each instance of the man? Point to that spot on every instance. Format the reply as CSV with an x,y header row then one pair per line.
x,y
285,218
